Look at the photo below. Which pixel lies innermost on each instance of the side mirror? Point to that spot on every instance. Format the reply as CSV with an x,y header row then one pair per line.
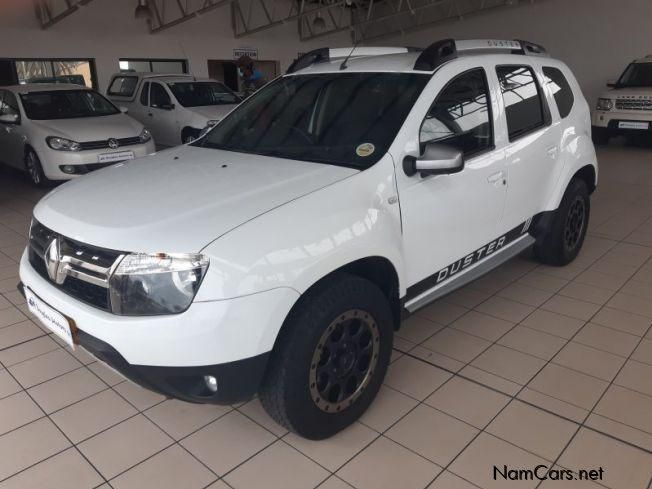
x,y
437,159
167,107
124,110
9,118
612,83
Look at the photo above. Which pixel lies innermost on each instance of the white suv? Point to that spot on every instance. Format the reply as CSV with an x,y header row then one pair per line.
x,y
279,253
626,108
175,108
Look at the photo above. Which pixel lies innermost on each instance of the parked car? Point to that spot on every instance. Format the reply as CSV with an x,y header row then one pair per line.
x,y
278,253
175,108
58,132
626,108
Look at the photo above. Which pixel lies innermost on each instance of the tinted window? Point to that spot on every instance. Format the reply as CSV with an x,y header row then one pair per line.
x,y
8,103
561,90
144,94
66,104
199,94
123,86
346,119
523,102
636,75
461,116
158,97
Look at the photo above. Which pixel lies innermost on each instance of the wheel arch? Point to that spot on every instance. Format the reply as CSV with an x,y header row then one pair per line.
x,y
588,174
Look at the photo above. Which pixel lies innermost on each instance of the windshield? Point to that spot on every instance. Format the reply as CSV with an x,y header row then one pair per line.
x,y
66,104
198,94
346,119
636,75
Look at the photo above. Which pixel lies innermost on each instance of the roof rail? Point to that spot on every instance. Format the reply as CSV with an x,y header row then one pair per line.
x,y
440,52
323,55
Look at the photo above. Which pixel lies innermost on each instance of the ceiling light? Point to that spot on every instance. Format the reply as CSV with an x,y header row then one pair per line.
x,y
142,10
319,22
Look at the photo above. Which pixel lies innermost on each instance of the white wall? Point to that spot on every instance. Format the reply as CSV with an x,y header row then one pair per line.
x,y
106,30
597,38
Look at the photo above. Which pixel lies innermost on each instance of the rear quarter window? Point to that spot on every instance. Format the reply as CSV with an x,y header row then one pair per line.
x,y
123,86
560,89
524,103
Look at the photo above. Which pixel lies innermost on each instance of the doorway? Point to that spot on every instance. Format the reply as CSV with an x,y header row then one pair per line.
x,y
226,71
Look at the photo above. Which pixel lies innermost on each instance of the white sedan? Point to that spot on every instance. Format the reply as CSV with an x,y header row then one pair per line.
x,y
61,131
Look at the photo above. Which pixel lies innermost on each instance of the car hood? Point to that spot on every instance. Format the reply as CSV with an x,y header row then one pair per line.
x,y
640,92
92,128
212,112
179,200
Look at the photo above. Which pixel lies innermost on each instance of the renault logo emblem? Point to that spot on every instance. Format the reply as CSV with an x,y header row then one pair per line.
x,y
53,265
113,143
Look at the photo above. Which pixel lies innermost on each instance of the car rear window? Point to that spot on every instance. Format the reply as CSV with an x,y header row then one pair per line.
x,y
523,100
123,86
561,90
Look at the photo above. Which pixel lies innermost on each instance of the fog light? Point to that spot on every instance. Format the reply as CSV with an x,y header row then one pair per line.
x,y
211,383
69,169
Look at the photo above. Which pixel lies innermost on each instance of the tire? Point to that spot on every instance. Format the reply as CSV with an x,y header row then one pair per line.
x,y
34,169
563,240
294,391
600,136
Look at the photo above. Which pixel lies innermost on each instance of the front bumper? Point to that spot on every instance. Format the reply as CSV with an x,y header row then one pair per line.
x,y
52,160
228,339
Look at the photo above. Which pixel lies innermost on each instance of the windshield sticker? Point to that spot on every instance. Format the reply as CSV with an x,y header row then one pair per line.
x,y
365,149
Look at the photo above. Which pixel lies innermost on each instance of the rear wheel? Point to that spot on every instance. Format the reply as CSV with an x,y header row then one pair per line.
x,y
330,358
562,242
35,169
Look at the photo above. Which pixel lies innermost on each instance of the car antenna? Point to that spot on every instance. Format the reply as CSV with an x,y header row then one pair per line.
x,y
343,65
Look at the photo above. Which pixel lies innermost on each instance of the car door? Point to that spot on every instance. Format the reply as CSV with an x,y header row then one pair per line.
x,y
163,116
447,217
12,135
532,149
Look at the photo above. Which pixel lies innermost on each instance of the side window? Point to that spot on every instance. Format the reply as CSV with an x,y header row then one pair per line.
x,y
461,115
561,90
123,86
144,94
158,97
523,100
8,103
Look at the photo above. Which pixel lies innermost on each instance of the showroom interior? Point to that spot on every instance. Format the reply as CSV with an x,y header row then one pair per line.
x,y
529,373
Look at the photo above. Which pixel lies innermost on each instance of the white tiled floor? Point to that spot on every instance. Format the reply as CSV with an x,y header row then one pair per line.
x,y
528,365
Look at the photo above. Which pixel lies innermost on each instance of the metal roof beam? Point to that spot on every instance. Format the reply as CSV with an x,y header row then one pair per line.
x,y
50,12
170,13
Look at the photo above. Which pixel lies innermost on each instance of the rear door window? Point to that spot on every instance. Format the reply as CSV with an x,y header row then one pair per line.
x,y
144,94
158,97
560,89
523,100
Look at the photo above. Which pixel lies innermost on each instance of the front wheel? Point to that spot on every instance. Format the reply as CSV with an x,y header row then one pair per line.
x,y
35,169
563,240
330,358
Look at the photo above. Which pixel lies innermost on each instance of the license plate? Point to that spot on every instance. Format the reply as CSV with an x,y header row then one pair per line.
x,y
634,125
113,157
50,318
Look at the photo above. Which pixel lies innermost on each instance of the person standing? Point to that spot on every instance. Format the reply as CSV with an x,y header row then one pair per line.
x,y
252,78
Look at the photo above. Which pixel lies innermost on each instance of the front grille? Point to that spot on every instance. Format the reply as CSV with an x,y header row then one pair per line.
x,y
105,144
87,279
634,104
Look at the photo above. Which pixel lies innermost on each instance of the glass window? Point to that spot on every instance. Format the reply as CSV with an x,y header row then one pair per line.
x,y
345,119
198,94
144,94
78,72
66,104
636,75
158,97
523,101
561,90
460,116
123,86
172,66
8,103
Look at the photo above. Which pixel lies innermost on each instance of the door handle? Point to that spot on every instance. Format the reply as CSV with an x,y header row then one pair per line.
x,y
552,152
497,178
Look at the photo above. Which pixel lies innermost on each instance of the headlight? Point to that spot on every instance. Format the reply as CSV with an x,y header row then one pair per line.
x,y
62,144
605,104
145,135
149,285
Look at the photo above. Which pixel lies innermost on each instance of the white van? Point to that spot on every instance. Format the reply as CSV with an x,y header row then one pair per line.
x,y
175,108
